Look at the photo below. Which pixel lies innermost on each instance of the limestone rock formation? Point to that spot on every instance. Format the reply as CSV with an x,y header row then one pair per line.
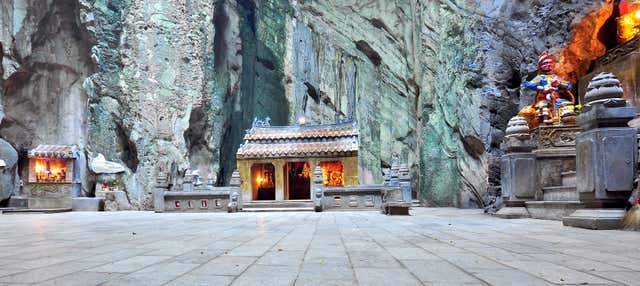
x,y
8,170
100,165
165,86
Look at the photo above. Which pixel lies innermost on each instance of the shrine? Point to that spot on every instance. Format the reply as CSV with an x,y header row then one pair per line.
x,y
577,163
277,162
52,177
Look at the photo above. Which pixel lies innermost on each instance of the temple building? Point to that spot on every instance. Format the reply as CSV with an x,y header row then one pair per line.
x,y
277,162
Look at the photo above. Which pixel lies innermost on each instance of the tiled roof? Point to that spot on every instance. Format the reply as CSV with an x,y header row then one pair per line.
x,y
300,141
53,151
301,132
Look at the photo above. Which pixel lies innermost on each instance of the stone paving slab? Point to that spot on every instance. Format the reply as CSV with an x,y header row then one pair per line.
x,y
441,246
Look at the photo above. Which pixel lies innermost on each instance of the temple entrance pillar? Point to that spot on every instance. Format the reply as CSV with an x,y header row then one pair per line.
x,y
279,171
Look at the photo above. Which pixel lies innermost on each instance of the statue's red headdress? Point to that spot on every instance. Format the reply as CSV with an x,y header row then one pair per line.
x,y
546,63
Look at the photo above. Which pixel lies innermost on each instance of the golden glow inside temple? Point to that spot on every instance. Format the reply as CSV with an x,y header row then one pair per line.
x,y
51,170
332,174
629,20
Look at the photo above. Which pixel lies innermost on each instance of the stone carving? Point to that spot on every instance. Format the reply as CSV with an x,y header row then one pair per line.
x,y
518,127
620,51
212,179
49,196
47,190
236,181
556,136
261,123
604,89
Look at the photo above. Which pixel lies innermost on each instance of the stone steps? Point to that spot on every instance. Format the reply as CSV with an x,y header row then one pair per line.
x,y
552,210
560,193
278,206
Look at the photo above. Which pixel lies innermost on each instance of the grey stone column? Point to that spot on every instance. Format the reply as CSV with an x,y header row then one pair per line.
x,y
404,177
393,179
235,183
606,155
318,189
519,172
187,181
162,185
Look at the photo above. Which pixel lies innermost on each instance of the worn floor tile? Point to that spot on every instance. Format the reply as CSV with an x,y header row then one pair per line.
x,y
436,247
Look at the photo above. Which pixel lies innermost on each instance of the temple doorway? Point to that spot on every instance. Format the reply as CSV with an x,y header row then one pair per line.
x,y
263,181
298,178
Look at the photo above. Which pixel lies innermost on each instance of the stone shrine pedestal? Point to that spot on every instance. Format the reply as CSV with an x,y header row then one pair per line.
x,y
606,156
556,196
518,170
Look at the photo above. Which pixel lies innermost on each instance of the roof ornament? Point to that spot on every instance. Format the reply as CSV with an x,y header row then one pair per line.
x,y
266,122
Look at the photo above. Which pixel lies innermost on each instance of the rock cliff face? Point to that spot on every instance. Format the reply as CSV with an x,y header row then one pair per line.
x,y
162,86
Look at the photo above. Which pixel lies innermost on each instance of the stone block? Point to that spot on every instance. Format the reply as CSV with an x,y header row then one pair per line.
x,y
512,213
606,165
560,193
49,196
519,178
87,204
158,200
603,116
18,202
115,200
595,219
396,208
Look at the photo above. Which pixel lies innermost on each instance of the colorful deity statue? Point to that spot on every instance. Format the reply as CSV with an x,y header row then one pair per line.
x,y
550,106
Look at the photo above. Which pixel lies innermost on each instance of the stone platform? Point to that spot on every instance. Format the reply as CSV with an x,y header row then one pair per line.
x,y
440,246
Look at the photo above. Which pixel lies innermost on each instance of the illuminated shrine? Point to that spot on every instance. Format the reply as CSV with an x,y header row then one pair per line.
x,y
277,162
51,175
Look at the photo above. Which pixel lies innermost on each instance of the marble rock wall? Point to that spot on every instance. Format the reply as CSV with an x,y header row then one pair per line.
x,y
161,86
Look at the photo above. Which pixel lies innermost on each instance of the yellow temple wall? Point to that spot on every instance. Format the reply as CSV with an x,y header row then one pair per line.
x,y
350,169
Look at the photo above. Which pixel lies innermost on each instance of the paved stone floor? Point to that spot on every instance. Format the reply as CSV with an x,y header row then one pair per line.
x,y
432,247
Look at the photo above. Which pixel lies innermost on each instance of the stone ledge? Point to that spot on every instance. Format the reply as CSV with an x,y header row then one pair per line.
x,y
597,219
513,213
87,204
552,210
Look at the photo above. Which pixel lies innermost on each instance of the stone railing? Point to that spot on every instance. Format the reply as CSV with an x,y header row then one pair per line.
x,y
205,198
389,197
